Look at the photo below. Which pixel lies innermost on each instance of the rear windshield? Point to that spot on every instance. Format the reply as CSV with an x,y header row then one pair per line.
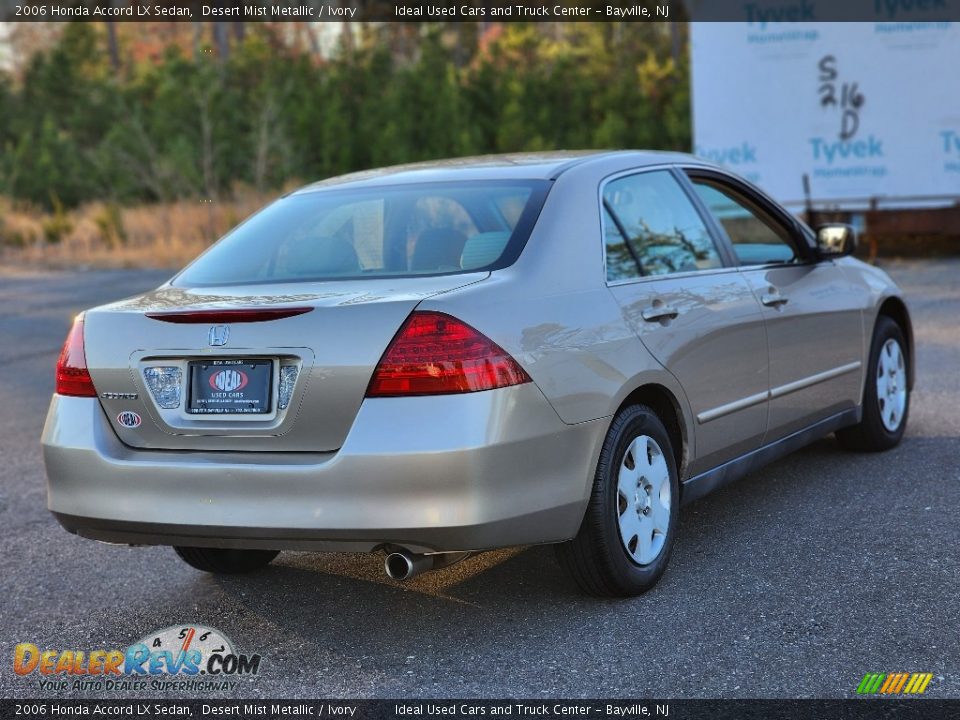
x,y
396,231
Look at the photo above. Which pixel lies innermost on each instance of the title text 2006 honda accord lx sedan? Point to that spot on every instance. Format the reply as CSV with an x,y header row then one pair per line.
x,y
437,359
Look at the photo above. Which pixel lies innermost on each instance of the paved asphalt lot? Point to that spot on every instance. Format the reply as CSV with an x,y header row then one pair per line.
x,y
793,582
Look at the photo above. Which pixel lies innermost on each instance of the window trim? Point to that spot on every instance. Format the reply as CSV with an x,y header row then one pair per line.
x,y
726,257
798,239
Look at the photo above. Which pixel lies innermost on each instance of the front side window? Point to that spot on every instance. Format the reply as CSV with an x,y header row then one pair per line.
x,y
394,231
652,228
757,239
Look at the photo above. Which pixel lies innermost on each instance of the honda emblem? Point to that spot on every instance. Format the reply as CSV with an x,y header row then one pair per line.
x,y
219,334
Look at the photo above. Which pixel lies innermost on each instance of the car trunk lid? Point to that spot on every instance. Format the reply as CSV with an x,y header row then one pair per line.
x,y
318,343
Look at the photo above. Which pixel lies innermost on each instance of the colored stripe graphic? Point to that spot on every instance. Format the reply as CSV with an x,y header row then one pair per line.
x,y
912,683
867,685
891,679
894,683
901,682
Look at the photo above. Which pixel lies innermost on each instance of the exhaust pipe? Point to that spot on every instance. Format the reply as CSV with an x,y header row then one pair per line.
x,y
404,565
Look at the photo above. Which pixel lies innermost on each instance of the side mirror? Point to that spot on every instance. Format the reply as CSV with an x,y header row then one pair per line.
x,y
835,241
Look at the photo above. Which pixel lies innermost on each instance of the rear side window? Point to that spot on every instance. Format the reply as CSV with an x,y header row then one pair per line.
x,y
395,231
652,228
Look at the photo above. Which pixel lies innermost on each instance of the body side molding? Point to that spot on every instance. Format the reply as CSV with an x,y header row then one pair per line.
x,y
779,391
806,382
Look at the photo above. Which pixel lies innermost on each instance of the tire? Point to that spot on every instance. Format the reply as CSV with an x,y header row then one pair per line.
x,y
886,405
599,559
225,562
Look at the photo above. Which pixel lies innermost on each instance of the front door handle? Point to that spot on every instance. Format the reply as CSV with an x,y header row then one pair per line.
x,y
656,313
774,299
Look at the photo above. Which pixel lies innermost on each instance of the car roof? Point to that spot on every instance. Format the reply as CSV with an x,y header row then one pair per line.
x,y
517,166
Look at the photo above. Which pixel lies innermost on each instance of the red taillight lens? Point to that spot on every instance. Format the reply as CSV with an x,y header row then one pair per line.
x,y
72,376
436,354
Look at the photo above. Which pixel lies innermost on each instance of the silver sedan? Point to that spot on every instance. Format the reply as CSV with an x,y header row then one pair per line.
x,y
438,359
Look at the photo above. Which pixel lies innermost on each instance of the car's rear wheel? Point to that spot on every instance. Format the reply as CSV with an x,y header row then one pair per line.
x,y
886,396
225,562
627,534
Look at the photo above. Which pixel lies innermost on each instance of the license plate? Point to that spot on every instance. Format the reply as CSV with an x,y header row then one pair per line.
x,y
234,387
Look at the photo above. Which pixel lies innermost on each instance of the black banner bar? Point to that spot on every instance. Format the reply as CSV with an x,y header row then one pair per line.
x,y
761,13
853,709
341,10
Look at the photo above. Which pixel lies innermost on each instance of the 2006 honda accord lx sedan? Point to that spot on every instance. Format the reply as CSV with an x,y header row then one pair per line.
x,y
438,359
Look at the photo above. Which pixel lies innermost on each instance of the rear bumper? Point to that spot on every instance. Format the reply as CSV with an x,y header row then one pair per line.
x,y
458,472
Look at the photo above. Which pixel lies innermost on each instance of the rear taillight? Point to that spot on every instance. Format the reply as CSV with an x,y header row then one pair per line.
x,y
436,354
72,375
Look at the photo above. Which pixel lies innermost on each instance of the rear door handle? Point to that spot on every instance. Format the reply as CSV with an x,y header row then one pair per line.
x,y
774,299
655,313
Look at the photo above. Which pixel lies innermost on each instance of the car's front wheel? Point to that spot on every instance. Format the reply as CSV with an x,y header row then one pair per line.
x,y
628,530
224,561
886,395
